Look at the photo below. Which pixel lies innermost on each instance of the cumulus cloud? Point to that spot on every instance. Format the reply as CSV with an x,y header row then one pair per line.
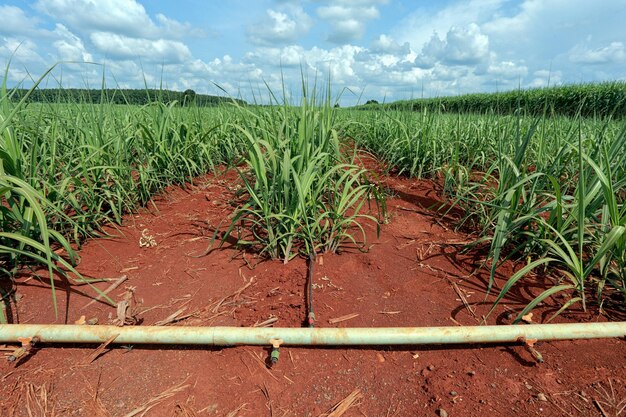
x,y
612,53
15,22
124,47
20,51
385,57
419,25
547,29
438,48
385,44
482,45
382,71
461,46
123,17
507,70
120,16
465,45
288,56
283,27
348,18
338,62
70,47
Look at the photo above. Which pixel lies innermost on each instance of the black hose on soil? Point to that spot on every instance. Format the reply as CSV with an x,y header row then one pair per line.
x,y
311,315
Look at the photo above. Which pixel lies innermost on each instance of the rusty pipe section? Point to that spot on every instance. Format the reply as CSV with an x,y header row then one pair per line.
x,y
229,336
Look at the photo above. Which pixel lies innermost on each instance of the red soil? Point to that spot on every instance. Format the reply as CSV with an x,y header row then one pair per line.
x,y
406,279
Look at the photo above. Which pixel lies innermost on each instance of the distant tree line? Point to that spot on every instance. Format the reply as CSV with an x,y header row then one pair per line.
x,y
121,96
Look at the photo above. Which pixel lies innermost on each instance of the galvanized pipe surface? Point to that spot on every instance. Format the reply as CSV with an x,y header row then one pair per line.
x,y
228,336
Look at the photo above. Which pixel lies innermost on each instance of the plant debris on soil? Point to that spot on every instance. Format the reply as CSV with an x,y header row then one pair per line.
x,y
416,273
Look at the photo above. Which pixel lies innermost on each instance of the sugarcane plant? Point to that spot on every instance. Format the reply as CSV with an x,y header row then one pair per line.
x,y
304,192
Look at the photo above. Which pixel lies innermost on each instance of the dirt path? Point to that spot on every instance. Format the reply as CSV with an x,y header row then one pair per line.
x,y
407,278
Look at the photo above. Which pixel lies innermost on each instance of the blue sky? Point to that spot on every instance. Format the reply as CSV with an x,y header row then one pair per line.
x,y
372,49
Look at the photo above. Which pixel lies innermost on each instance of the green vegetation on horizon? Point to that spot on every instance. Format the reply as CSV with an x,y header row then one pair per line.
x,y
587,100
119,96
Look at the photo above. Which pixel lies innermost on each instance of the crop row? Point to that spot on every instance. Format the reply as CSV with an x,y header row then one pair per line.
x,y
549,191
68,169
587,100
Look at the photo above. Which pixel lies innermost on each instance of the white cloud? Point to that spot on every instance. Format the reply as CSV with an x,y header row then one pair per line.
x,y
545,78
123,17
120,16
465,45
547,29
70,47
612,53
461,46
288,56
124,47
348,18
420,25
507,70
20,51
386,59
378,70
338,62
387,45
284,27
16,75
503,44
439,48
229,74
15,22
